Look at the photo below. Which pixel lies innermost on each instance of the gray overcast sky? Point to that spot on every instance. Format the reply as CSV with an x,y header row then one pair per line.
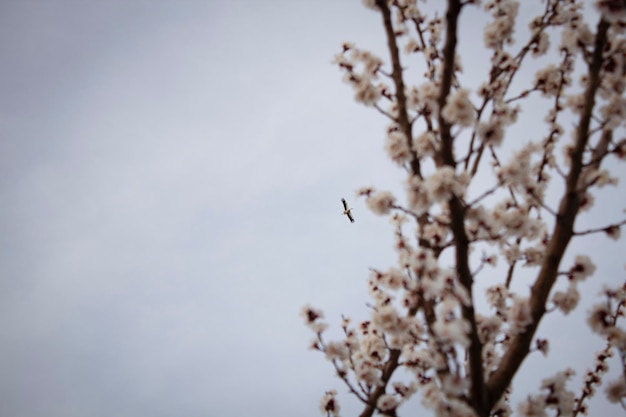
x,y
170,184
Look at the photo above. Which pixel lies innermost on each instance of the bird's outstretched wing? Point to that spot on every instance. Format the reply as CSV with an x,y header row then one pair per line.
x,y
347,210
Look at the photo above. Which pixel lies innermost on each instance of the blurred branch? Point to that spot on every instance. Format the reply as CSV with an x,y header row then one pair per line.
x,y
403,116
562,233
457,212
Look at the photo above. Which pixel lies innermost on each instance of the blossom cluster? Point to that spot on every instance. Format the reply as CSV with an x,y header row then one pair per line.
x,y
476,193
361,69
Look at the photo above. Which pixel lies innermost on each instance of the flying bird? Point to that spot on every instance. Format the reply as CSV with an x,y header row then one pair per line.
x,y
346,210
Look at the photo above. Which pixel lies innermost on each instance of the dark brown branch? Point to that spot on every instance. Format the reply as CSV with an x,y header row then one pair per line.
x,y
601,149
452,15
473,139
457,212
406,127
389,368
403,115
509,273
479,155
562,233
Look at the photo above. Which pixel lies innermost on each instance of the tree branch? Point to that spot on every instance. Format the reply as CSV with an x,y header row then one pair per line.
x,y
403,116
604,229
562,233
457,212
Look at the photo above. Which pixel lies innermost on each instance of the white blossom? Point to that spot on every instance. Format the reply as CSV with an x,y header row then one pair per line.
x,y
397,147
548,80
500,30
491,132
381,202
582,268
614,232
424,264
411,46
449,327
435,233
459,109
387,402
417,194
336,350
575,102
568,300
312,318
394,278
586,201
599,318
329,404
367,94
496,296
559,397
404,390
421,359
368,373
499,183
533,406
444,183
518,172
616,390
431,395
425,144
387,319
519,314
428,96
488,327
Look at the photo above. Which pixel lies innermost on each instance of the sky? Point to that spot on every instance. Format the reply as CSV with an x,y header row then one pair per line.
x,y
170,184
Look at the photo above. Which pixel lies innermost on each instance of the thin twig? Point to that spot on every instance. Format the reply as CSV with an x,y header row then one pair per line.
x,y
604,229
483,195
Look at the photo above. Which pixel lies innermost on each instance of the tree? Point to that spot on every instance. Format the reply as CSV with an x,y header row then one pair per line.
x,y
473,196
